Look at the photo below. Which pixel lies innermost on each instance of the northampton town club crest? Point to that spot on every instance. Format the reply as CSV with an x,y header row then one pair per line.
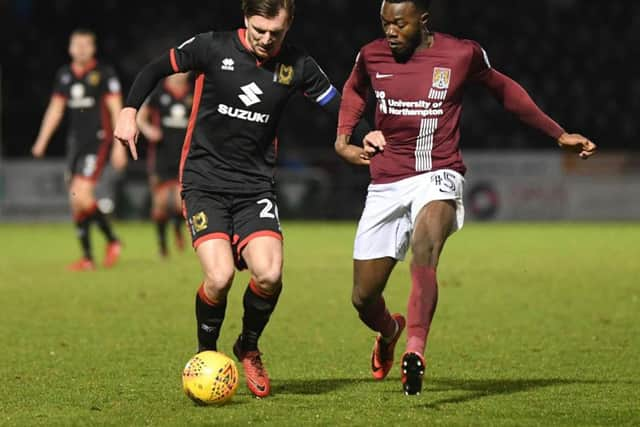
x,y
441,78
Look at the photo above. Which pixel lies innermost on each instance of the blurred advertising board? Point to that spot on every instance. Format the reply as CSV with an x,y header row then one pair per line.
x,y
500,186
551,186
37,190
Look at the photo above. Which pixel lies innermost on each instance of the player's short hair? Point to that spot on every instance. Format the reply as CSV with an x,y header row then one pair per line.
x,y
421,5
84,32
268,8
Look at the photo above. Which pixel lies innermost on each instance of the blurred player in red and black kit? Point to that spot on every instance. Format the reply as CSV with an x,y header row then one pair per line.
x,y
415,196
91,93
163,120
244,80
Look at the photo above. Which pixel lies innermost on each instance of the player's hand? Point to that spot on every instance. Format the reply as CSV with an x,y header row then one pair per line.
x,y
373,143
38,150
577,143
126,131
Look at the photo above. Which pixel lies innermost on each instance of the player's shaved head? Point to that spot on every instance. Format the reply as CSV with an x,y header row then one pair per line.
x,y
268,8
421,5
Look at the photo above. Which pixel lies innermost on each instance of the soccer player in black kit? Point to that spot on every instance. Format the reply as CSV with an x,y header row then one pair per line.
x,y
90,91
244,79
163,120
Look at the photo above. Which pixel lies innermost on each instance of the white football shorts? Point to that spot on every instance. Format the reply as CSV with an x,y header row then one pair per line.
x,y
390,212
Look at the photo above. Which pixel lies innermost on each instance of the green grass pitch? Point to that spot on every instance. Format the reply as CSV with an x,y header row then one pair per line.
x,y
538,324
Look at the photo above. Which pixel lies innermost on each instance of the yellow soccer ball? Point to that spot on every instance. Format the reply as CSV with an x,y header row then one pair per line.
x,y
210,378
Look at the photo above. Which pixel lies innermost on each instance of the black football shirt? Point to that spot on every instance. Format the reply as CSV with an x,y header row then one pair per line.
x,y
231,145
170,111
85,92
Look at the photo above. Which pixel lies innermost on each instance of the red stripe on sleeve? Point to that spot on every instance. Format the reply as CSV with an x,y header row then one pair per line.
x,y
174,62
197,95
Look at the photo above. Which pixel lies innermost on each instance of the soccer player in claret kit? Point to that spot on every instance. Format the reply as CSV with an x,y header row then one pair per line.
x,y
90,91
163,120
243,80
415,196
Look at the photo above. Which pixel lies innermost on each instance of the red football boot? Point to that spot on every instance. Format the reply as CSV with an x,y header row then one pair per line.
x,y
254,371
83,264
113,254
413,366
382,354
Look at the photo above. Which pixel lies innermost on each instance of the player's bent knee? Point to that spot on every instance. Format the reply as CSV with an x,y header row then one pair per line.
x,y
269,281
361,299
81,199
218,281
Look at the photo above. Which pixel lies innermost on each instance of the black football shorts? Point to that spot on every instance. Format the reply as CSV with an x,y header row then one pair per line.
x,y
86,165
236,218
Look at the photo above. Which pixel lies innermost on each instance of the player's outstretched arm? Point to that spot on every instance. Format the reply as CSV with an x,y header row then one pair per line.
x,y
126,130
50,122
516,100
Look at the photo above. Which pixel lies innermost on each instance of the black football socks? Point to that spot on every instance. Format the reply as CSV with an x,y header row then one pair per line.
x,y
82,230
161,229
103,223
257,311
209,315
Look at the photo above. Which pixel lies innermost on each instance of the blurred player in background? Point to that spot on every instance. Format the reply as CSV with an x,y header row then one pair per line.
x,y
244,81
415,196
163,120
90,91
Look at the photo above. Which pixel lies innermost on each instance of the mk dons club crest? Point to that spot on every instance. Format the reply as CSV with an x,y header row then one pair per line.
x,y
94,78
199,222
441,78
285,74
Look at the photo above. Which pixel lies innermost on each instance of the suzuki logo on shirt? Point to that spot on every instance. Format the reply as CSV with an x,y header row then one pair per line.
x,y
251,92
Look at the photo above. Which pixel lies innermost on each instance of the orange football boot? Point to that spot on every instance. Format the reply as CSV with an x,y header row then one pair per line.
x,y
254,371
83,264
382,354
113,254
